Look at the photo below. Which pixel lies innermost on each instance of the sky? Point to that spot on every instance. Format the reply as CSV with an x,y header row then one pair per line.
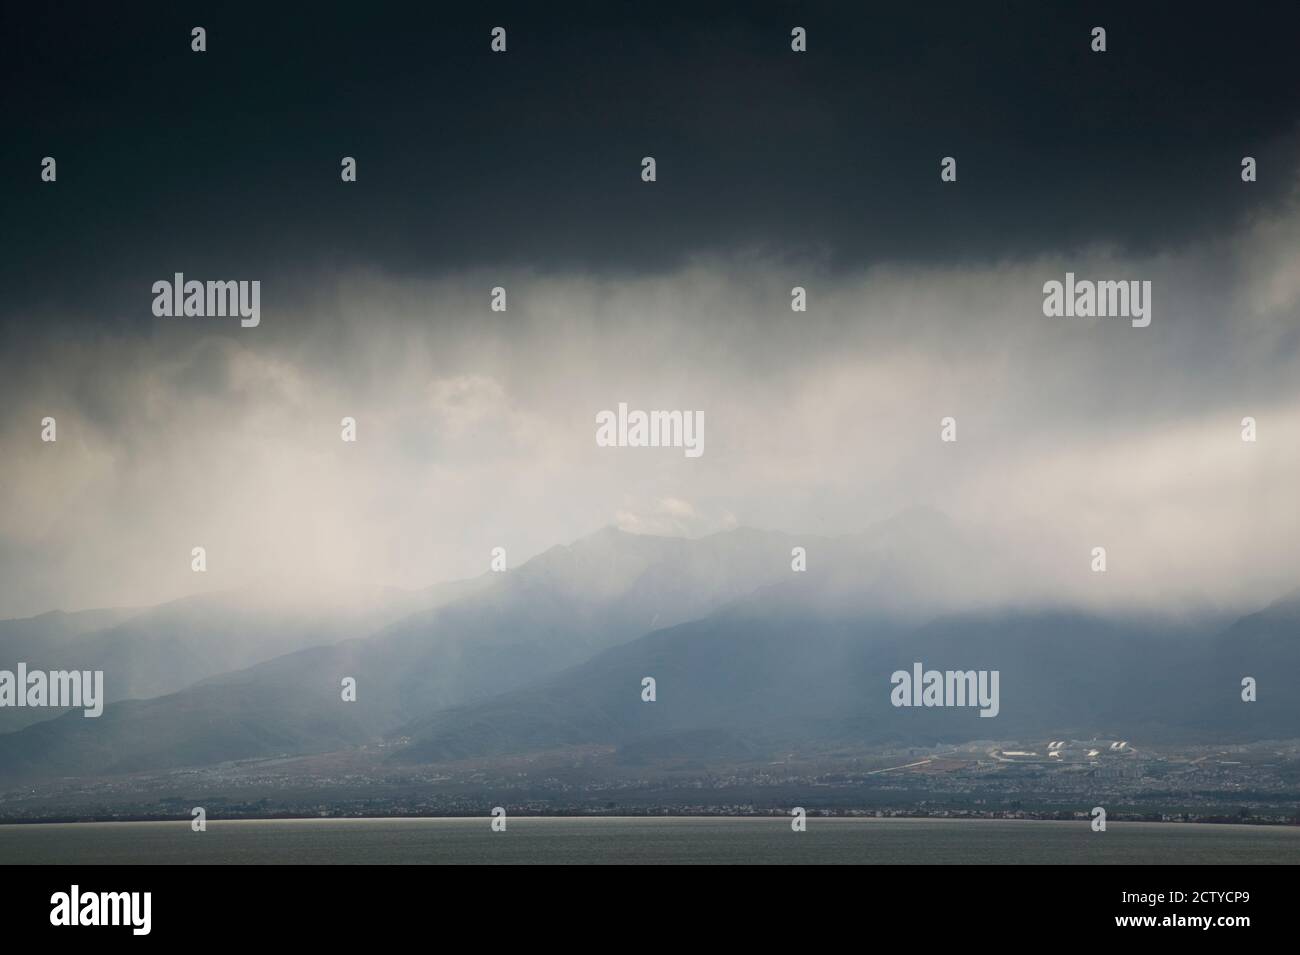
x,y
475,428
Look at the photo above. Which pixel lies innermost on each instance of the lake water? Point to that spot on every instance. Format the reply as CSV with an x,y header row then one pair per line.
x,y
646,841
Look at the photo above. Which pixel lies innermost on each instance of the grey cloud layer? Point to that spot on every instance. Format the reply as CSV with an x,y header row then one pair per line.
x,y
476,428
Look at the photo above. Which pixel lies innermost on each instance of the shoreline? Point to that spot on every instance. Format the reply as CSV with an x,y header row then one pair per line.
x,y
623,817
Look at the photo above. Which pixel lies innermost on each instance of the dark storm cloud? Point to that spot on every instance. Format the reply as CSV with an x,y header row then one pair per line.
x,y
522,170
226,163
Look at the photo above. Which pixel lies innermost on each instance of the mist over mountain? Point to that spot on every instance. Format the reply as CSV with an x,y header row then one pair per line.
x,y
767,676
506,630
149,652
750,658
55,637
1266,646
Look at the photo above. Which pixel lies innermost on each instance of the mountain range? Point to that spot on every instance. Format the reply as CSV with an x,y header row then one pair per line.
x,y
749,658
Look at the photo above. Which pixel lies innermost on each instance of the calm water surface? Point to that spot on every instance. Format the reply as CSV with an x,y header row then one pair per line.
x,y
645,841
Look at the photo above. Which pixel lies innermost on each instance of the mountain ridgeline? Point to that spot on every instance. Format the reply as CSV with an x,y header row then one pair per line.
x,y
749,659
